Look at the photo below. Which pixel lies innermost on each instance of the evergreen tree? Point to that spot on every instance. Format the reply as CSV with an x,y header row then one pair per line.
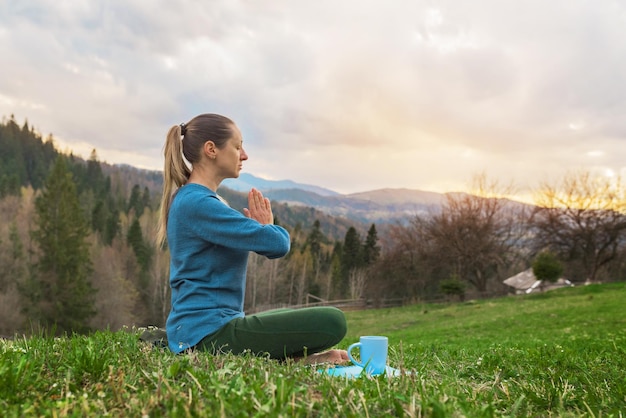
x,y
94,174
145,199
24,158
336,272
352,255
98,217
78,169
135,202
371,250
139,246
12,167
351,259
112,227
143,254
313,245
314,241
64,298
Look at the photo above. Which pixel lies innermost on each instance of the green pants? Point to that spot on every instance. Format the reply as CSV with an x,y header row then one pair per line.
x,y
280,333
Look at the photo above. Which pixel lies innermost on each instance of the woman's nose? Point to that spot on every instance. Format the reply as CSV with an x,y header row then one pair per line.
x,y
244,155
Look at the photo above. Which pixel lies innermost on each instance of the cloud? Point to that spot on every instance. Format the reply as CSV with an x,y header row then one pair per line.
x,y
352,95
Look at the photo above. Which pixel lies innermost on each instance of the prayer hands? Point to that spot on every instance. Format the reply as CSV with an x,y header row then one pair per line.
x,y
259,208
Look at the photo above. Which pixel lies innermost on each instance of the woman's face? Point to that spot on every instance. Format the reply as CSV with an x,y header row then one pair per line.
x,y
231,156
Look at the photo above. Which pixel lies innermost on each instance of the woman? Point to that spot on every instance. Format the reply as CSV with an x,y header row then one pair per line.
x,y
209,244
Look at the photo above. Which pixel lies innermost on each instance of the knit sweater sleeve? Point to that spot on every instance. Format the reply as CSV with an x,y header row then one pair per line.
x,y
219,224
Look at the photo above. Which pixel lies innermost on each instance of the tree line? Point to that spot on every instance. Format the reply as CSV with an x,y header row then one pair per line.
x,y
479,239
77,248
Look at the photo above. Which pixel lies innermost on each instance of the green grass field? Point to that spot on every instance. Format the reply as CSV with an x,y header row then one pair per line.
x,y
561,353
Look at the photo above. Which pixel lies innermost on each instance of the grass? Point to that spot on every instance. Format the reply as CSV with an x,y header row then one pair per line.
x,y
561,353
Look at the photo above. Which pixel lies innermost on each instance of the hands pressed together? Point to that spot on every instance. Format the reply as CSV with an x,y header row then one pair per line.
x,y
259,208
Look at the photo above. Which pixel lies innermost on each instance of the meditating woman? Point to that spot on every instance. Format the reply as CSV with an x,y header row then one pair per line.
x,y
209,243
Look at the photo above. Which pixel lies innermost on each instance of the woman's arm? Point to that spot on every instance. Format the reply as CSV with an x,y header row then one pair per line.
x,y
213,221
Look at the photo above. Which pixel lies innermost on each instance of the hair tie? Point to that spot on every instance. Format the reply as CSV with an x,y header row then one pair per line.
x,y
183,129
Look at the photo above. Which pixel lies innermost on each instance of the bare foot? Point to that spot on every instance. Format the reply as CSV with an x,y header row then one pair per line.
x,y
330,356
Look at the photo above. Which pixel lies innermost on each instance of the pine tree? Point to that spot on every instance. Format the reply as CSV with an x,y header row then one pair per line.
x,y
352,255
135,201
140,248
65,297
314,240
145,200
94,174
334,289
112,226
143,254
371,250
351,259
98,217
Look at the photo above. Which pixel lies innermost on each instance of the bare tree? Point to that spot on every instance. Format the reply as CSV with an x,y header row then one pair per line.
x,y
583,220
17,251
117,296
161,285
476,235
402,270
357,278
302,285
272,278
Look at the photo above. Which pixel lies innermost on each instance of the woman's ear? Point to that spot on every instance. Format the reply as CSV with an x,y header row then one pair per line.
x,y
210,149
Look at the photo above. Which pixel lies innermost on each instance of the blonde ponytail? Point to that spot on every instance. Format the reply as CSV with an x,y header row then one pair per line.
x,y
175,174
177,152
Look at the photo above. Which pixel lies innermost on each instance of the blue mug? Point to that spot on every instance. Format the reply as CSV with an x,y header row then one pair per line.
x,y
373,353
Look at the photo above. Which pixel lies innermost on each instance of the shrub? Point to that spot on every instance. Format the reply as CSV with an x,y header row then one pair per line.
x,y
547,267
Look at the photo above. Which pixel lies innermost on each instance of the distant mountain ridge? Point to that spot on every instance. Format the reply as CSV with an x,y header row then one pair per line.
x,y
246,181
382,206
377,206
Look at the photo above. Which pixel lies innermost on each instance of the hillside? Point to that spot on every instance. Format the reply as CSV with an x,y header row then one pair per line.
x,y
556,354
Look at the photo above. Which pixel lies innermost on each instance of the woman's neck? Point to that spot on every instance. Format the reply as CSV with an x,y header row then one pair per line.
x,y
205,178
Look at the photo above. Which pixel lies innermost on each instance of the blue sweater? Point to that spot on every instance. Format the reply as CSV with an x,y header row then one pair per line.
x,y
209,244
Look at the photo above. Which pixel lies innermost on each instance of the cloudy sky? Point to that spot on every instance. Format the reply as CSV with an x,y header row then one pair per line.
x,y
350,95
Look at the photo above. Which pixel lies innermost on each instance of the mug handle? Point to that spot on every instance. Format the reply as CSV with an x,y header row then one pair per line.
x,y
352,359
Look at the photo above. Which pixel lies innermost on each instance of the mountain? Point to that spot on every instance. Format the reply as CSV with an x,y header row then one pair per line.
x,y
380,206
247,181
303,203
400,196
377,206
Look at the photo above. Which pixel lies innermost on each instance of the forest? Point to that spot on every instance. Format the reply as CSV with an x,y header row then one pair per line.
x,y
78,252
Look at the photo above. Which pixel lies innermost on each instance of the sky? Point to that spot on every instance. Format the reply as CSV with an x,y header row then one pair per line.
x,y
350,95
